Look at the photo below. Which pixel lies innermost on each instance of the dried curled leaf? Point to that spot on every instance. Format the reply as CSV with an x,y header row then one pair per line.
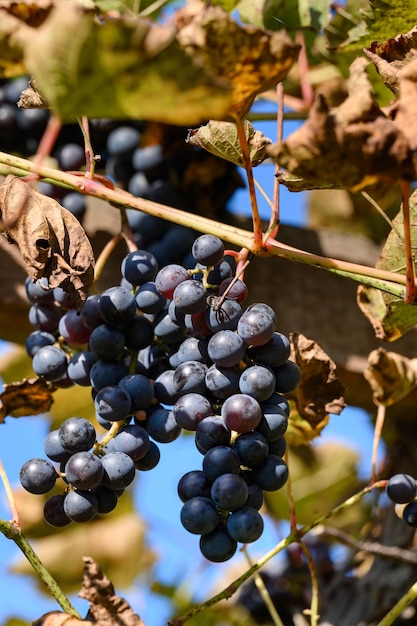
x,y
390,375
221,139
51,240
390,316
31,98
106,608
58,618
363,145
391,56
251,59
28,397
319,393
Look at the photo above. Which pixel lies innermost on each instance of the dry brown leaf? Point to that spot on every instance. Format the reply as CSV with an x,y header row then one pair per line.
x,y
364,146
106,608
251,59
28,397
389,57
390,375
30,98
31,12
58,618
319,392
51,240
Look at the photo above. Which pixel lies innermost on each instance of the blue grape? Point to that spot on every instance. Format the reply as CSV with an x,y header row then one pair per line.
x,y
117,305
257,381
123,141
133,440
39,290
75,203
84,470
229,491
226,348
190,377
162,426
90,313
70,156
139,267
148,298
50,363
79,367
194,349
255,497
167,331
190,296
273,423
208,249
288,377
255,327
44,316
164,388
193,484
410,514
106,373
225,316
38,476
140,390
199,515
252,448
273,353
211,432
38,339
119,470
245,525
241,412
220,460
53,448
77,434
106,499
138,333
53,511
80,506
107,342
113,403
271,474
150,460
401,488
148,157
190,409
218,546
278,446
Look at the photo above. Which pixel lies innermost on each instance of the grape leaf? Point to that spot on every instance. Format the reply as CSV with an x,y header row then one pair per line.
x,y
390,316
318,394
28,397
51,240
364,146
221,139
58,618
391,376
288,14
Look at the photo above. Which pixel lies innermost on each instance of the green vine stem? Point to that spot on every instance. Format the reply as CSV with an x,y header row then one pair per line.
x,y
389,282
263,591
12,531
293,537
402,604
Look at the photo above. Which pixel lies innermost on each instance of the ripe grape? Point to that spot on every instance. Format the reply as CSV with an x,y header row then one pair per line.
x,y
199,515
38,476
218,546
401,488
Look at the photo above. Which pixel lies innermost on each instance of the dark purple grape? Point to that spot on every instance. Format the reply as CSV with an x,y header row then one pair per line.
x,y
274,422
194,349
245,525
193,484
75,203
190,409
79,367
77,434
119,470
238,291
71,156
410,514
190,296
401,488
133,440
139,267
117,305
44,316
38,476
138,333
190,377
53,512
38,339
80,506
255,497
241,412
39,291
288,377
50,363
273,353
53,448
257,381
222,382
271,474
211,432
169,277
84,470
150,460
208,249
106,499
107,342
106,373
224,316
113,403
168,332
162,426
229,492
199,515
148,298
226,348
72,329
218,546
164,388
252,448
220,460
123,141
255,327
278,446
90,313
140,390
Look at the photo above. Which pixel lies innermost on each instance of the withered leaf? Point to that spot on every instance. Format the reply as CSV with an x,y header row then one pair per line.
x,y
319,393
389,315
251,59
31,98
51,240
106,608
390,375
31,12
390,56
221,139
58,618
28,397
364,146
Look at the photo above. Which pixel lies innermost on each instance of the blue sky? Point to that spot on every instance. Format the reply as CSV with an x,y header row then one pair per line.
x,y
22,439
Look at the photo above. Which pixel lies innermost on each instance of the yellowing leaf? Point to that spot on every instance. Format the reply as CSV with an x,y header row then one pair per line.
x,y
29,397
390,375
221,139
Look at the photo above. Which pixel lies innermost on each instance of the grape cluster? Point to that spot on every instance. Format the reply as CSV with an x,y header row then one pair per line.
x,y
402,490
168,349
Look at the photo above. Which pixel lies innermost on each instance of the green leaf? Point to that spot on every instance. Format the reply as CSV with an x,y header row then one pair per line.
x,y
390,316
280,14
122,68
221,139
227,5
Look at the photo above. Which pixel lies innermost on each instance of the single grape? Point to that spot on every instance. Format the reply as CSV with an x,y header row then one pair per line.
x,y
273,423
75,203
123,141
53,448
39,290
117,305
80,506
119,470
194,349
257,381
224,316
133,440
70,156
105,373
410,514
278,446
44,316
255,497
138,333
226,348
162,426
150,460
220,460
113,403
169,277
77,434
288,377
53,511
107,342
38,339
72,329
252,448
190,296
149,299
199,515
79,367
222,382
164,388
140,390
241,412
63,299
218,546
50,363
229,491
193,484
273,353
401,488
255,327
90,313
245,525
190,377
271,474
106,499
208,249
211,432
190,409
139,267
38,476
238,291
168,331
84,470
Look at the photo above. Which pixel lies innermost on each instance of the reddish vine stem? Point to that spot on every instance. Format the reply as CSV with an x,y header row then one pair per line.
x,y
48,139
410,287
273,226
256,219
90,158
379,424
313,612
